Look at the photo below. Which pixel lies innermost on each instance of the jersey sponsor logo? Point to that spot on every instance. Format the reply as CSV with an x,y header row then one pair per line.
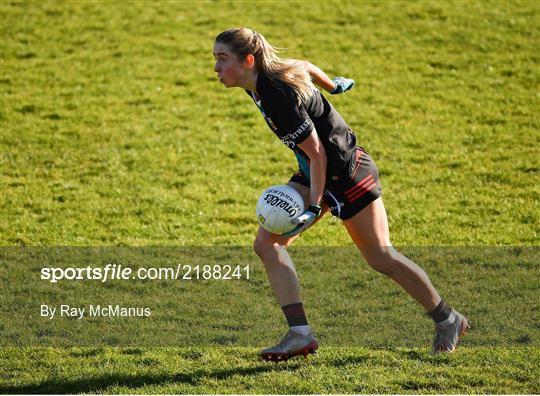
x,y
291,137
288,143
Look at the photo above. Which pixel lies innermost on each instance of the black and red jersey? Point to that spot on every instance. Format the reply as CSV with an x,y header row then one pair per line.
x,y
293,123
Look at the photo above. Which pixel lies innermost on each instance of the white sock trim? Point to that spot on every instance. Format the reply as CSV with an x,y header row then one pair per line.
x,y
304,330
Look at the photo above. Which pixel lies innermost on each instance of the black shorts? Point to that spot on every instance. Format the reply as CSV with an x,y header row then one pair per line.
x,y
348,194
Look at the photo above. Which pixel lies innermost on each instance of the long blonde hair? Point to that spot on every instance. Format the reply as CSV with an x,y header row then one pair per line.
x,y
244,41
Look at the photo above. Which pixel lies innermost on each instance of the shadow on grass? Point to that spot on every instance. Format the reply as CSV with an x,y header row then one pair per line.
x,y
101,383
195,378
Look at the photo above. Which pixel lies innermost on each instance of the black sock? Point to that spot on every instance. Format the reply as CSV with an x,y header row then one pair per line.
x,y
295,314
440,313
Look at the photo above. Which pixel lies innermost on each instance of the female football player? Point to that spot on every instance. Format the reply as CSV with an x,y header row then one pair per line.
x,y
334,174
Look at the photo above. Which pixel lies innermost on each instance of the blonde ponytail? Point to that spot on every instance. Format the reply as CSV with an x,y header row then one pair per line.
x,y
244,41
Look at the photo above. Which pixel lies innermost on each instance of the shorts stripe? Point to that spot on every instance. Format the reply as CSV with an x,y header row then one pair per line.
x,y
362,191
359,185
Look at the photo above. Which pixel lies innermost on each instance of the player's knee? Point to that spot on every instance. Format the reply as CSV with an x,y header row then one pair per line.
x,y
258,247
263,246
383,259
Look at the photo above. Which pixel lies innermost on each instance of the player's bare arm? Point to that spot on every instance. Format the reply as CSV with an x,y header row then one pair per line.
x,y
318,161
321,79
314,149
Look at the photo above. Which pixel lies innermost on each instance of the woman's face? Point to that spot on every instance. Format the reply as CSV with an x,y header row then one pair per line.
x,y
230,70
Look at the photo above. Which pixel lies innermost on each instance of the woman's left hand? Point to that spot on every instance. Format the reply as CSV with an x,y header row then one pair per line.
x,y
342,84
304,220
